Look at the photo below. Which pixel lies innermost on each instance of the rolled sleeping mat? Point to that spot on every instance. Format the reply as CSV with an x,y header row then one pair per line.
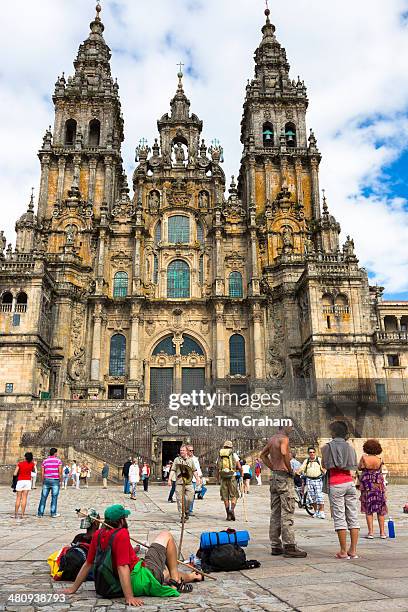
x,y
210,539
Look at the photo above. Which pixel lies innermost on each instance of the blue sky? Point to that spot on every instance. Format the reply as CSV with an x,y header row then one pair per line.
x,y
352,57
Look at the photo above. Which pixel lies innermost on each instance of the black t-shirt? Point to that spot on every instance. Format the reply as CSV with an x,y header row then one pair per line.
x,y
125,470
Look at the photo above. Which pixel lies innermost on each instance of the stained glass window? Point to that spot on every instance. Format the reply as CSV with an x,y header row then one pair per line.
x,y
120,284
161,385
155,269
157,232
200,233
190,346
117,358
237,354
178,279
179,229
235,285
165,346
201,270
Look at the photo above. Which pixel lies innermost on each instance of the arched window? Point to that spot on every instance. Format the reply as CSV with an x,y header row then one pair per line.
x,y
178,279
7,302
117,357
200,233
155,269
267,135
157,232
201,270
290,134
21,302
237,354
235,285
179,229
94,133
190,346
120,284
165,346
70,131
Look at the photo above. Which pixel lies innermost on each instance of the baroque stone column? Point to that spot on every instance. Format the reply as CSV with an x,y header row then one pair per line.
x,y
258,345
61,176
96,343
299,189
220,341
314,164
134,357
93,162
108,180
43,195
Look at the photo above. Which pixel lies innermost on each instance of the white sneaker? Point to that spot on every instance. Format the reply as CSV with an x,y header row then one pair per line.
x,y
322,515
316,514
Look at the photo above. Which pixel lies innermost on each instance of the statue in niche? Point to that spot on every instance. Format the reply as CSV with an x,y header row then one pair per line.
x,y
70,232
203,199
287,239
154,202
179,153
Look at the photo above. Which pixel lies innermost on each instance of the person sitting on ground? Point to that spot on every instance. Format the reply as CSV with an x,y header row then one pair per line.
x,y
90,525
133,576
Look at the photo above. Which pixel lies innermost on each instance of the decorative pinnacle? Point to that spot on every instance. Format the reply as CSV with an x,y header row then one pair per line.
x,y
31,204
98,10
267,11
325,208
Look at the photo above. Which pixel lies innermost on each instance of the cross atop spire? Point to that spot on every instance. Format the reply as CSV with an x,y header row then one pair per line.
x,y
180,72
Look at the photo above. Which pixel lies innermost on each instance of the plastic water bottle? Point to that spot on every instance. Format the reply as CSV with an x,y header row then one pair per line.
x,y
391,528
198,563
191,559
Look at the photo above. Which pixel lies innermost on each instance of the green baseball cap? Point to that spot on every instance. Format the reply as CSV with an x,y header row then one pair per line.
x,y
116,512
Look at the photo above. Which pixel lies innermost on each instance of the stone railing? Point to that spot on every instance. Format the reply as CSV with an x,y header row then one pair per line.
x,y
394,336
336,310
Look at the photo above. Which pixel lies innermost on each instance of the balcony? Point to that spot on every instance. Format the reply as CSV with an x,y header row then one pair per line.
x,y
336,310
391,337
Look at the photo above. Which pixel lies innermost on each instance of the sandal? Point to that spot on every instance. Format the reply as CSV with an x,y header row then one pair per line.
x,y
369,536
181,586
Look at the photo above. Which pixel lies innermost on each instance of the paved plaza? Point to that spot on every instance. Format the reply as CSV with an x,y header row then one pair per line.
x,y
319,583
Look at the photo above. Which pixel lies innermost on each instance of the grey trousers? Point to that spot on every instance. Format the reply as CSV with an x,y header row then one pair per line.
x,y
344,506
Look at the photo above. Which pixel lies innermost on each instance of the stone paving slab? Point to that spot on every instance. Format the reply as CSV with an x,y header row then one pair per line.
x,y
375,581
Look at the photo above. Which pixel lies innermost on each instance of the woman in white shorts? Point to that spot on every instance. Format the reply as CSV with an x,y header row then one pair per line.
x,y
23,472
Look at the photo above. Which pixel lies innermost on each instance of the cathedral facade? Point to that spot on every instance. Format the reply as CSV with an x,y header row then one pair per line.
x,y
193,282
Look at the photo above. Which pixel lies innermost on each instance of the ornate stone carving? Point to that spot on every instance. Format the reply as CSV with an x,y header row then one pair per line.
x,y
76,365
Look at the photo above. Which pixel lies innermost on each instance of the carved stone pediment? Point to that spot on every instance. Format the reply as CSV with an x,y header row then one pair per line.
x,y
121,259
234,260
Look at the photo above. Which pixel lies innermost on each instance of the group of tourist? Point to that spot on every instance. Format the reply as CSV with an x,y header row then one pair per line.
x,y
158,574
133,472
337,466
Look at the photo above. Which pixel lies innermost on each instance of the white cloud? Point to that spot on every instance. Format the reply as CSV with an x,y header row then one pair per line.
x,y
352,56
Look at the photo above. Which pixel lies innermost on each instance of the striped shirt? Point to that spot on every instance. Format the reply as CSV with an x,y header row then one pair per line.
x,y
51,466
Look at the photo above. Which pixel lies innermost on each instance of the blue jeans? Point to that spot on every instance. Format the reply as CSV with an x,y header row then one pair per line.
x,y
53,485
126,485
192,503
172,490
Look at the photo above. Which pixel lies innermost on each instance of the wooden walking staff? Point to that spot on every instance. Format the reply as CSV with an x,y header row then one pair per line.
x,y
241,486
101,522
183,517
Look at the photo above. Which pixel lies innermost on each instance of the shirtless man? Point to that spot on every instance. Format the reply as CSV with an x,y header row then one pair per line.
x,y
276,455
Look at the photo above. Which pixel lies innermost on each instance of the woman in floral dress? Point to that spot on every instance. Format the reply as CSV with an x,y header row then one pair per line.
x,y
372,487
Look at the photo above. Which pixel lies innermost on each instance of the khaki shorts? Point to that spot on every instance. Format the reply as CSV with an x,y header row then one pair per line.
x,y
228,488
155,560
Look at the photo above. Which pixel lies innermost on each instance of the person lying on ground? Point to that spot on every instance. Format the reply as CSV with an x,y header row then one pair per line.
x,y
156,576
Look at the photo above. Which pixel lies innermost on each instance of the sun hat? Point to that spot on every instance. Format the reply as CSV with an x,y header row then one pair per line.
x,y
227,444
86,522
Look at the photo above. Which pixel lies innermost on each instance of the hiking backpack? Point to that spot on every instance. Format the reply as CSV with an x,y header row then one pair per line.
x,y
226,463
225,558
72,561
107,583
